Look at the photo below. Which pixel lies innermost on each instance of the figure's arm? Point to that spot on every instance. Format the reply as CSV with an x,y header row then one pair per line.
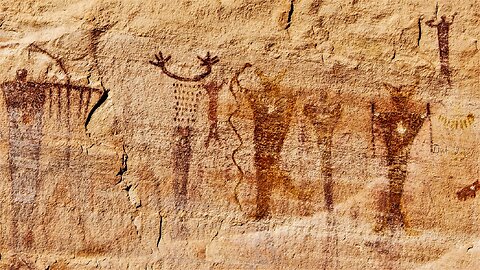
x,y
444,19
207,62
431,23
427,112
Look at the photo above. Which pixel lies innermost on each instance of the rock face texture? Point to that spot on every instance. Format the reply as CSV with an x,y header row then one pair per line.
x,y
235,134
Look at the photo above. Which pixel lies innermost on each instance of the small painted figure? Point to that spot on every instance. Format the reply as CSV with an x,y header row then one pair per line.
x,y
469,191
443,28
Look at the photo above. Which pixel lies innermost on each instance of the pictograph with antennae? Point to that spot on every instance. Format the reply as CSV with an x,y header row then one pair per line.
x,y
188,92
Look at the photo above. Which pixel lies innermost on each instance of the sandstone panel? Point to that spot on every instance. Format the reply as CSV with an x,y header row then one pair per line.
x,y
221,134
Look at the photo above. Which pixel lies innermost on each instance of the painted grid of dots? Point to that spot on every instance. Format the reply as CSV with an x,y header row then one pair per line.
x,y
186,103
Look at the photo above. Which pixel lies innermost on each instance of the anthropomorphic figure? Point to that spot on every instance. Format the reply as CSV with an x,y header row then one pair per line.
x,y
187,93
443,28
272,107
398,127
26,102
324,118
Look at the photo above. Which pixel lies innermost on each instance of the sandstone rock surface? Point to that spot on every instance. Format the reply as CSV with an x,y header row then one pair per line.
x,y
222,134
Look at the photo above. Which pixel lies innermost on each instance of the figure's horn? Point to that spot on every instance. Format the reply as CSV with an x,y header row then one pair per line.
x,y
263,78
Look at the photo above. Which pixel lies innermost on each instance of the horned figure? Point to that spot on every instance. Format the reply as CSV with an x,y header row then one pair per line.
x,y
272,108
28,109
324,118
187,95
398,127
443,28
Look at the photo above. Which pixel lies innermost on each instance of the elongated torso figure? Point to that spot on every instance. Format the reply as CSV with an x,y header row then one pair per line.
x,y
272,108
398,129
324,118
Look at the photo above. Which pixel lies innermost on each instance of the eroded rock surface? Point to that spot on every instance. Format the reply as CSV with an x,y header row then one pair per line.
x,y
221,134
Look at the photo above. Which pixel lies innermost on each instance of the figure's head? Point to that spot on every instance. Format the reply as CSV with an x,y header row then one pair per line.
x,y
22,75
270,83
400,95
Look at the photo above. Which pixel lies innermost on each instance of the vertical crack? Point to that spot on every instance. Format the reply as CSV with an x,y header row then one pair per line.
x,y
160,228
102,99
419,30
290,14
124,166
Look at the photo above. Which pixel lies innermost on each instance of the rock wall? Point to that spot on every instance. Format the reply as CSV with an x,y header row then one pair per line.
x,y
222,134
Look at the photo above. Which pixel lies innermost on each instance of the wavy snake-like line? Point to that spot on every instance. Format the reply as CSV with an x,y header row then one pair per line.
x,y
234,152
236,149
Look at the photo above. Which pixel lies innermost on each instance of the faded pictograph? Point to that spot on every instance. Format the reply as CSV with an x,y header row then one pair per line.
x,y
272,106
187,92
324,116
458,122
469,191
398,127
212,88
29,104
443,29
